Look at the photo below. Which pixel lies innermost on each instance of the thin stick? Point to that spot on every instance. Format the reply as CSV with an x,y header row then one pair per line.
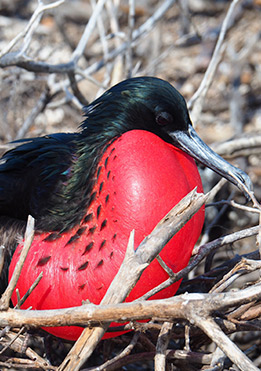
x,y
177,307
28,292
236,205
131,22
200,94
39,107
165,266
29,235
2,258
162,345
120,356
104,42
78,52
76,90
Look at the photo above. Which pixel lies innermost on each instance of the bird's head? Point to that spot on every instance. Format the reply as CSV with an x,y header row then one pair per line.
x,y
152,104
146,103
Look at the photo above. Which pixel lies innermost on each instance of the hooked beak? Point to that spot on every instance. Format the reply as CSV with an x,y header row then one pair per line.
x,y
189,142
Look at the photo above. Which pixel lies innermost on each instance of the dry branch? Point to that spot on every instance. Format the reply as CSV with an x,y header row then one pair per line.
x,y
44,99
197,100
29,235
179,307
162,344
112,363
243,146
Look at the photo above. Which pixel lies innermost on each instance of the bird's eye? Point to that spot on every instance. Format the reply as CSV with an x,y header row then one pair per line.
x,y
164,118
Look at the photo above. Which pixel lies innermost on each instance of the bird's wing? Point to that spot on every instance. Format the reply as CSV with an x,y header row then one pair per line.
x,y
30,172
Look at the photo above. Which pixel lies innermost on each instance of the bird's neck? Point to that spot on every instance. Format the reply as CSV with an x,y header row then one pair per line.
x,y
74,190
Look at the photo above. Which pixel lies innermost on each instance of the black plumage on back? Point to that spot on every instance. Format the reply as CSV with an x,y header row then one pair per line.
x,y
30,174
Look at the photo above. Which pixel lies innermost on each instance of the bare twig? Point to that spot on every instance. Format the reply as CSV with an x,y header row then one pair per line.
x,y
76,90
104,42
123,354
131,21
188,357
177,307
29,235
117,72
2,258
78,52
28,292
39,107
242,146
197,100
162,344
218,358
236,205
164,266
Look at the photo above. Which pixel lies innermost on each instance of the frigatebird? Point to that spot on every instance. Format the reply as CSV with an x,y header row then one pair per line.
x,y
130,162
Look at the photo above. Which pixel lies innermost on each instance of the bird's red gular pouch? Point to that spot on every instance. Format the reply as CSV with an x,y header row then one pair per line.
x,y
139,179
